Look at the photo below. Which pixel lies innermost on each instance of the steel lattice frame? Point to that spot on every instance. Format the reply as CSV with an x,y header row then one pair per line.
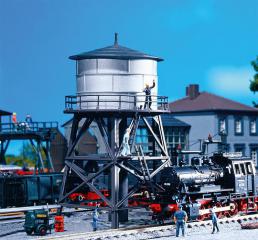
x,y
43,132
110,125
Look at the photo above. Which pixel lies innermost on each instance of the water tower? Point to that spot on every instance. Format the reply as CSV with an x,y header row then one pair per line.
x,y
110,83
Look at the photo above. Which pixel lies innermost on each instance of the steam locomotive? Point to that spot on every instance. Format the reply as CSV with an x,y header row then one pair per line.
x,y
227,183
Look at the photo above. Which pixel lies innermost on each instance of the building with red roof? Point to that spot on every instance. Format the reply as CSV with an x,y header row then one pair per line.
x,y
208,113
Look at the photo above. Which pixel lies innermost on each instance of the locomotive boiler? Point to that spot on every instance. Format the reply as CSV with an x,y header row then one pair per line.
x,y
190,178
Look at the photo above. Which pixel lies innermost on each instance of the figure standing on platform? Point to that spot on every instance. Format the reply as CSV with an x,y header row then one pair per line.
x,y
28,118
180,219
14,121
28,121
147,90
125,143
214,220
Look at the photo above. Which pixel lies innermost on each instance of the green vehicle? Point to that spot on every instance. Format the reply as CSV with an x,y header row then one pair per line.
x,y
37,221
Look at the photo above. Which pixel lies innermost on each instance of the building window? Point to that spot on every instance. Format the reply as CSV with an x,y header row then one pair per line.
x,y
240,148
224,147
254,156
254,153
239,126
142,138
222,125
253,126
175,136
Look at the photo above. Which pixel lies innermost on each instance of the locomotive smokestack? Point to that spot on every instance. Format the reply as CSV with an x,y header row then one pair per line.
x,y
116,40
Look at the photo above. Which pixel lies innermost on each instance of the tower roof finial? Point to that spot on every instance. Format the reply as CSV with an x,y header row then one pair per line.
x,y
116,39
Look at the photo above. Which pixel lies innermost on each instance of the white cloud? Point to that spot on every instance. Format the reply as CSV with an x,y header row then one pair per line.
x,y
230,81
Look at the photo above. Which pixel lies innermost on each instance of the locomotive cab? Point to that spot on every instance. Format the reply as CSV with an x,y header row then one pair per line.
x,y
244,176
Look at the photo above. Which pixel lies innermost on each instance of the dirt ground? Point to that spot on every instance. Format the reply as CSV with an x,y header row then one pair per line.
x,y
82,222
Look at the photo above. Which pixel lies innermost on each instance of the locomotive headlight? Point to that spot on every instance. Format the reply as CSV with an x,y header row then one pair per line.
x,y
167,184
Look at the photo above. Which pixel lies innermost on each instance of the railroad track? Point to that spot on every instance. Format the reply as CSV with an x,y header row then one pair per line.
x,y
148,232
18,213
4,216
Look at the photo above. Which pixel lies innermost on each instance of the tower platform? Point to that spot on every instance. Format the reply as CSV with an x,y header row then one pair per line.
x,y
24,130
119,104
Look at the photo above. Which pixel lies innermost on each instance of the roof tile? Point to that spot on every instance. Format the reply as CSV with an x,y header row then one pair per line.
x,y
208,102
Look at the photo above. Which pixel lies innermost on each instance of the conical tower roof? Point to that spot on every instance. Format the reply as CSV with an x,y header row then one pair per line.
x,y
115,51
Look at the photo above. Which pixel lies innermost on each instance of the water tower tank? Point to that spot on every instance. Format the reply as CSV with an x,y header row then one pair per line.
x,y
114,77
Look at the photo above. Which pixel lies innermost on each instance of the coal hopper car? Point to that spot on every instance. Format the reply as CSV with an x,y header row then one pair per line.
x,y
18,190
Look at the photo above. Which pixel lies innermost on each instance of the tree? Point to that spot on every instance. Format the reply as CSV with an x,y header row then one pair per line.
x,y
254,82
27,156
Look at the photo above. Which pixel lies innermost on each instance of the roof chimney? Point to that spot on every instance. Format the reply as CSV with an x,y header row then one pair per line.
x,y
192,91
186,91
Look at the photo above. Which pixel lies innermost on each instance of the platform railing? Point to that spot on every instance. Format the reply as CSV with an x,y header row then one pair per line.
x,y
116,102
30,127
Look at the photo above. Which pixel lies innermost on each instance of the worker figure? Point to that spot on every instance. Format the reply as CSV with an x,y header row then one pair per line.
x,y
180,217
95,219
28,121
147,90
125,143
214,220
14,121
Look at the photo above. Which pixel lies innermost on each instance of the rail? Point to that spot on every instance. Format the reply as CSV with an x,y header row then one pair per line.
x,y
27,127
154,231
131,102
25,209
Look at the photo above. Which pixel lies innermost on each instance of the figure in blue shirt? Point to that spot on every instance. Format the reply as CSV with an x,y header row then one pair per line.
x,y
95,219
28,118
28,122
180,218
214,220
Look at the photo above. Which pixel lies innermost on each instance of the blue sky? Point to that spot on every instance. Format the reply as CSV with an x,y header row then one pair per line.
x,y
202,41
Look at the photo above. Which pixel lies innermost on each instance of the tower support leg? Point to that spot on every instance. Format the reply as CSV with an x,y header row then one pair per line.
x,y
123,191
2,153
113,128
114,194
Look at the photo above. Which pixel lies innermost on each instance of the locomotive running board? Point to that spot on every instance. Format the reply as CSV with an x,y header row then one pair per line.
x,y
211,191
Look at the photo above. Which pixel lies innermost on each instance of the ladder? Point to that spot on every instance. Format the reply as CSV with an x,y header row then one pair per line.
x,y
133,128
142,162
144,168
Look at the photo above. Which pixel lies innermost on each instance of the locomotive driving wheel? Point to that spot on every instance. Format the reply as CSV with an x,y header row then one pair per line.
x,y
203,216
233,209
220,214
226,213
